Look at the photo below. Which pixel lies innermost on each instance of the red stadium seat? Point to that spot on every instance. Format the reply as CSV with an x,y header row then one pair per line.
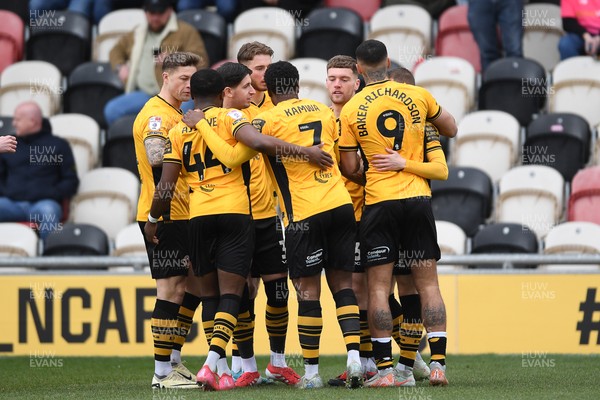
x,y
454,37
366,9
11,38
584,202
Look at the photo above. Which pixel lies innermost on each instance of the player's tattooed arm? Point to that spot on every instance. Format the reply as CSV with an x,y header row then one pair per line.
x,y
163,193
155,149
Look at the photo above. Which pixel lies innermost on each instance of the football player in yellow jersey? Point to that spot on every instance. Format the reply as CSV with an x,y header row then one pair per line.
x,y
257,56
176,295
398,210
320,227
342,82
221,235
268,260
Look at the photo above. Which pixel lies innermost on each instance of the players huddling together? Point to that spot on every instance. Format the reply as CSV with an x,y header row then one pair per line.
x,y
256,184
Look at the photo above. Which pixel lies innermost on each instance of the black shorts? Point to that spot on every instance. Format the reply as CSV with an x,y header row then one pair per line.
x,y
269,251
170,256
357,264
325,240
222,241
392,226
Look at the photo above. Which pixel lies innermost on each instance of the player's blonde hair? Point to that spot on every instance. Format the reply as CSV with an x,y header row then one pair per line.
x,y
180,59
250,50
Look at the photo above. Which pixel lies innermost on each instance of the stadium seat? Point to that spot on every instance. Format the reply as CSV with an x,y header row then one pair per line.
x,y
111,27
531,195
313,74
77,240
39,81
213,29
576,88
329,32
573,238
454,37
584,203
91,86
119,149
451,240
488,140
18,240
451,80
6,127
83,134
542,29
65,44
515,85
130,242
270,25
107,198
505,238
406,32
465,199
12,31
365,9
560,141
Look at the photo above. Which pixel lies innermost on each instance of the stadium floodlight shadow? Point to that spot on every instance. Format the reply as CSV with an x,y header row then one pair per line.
x,y
465,199
504,238
91,86
329,32
119,149
76,240
213,29
62,38
559,140
515,85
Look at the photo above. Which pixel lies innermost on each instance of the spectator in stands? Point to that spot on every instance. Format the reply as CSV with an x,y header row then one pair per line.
x,y
298,8
484,16
94,10
581,23
8,144
39,176
137,57
227,8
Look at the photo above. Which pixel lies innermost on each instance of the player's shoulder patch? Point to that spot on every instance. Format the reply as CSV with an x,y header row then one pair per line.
x,y
154,123
235,114
258,124
431,132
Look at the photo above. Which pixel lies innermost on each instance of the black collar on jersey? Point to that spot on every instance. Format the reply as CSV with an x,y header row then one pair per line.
x,y
262,101
205,109
170,105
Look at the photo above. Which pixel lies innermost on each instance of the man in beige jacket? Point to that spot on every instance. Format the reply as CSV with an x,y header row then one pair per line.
x,y
137,57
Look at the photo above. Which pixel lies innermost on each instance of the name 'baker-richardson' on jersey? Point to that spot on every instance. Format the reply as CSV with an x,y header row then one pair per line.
x,y
155,119
392,115
215,188
303,189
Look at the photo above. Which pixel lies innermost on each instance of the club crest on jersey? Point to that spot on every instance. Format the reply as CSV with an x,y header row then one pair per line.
x,y
258,124
154,123
168,146
322,176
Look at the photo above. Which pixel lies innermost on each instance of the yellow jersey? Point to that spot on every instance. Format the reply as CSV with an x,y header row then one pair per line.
x,y
261,187
215,189
155,119
266,103
356,191
303,189
392,115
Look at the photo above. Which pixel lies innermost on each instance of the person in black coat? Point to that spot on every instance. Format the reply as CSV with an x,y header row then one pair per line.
x,y
36,178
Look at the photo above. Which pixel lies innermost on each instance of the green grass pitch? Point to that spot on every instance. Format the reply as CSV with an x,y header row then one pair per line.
x,y
548,376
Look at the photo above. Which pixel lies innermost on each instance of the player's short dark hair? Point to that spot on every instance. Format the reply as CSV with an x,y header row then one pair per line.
x,y
401,75
233,73
282,77
371,52
341,61
173,61
206,83
250,50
